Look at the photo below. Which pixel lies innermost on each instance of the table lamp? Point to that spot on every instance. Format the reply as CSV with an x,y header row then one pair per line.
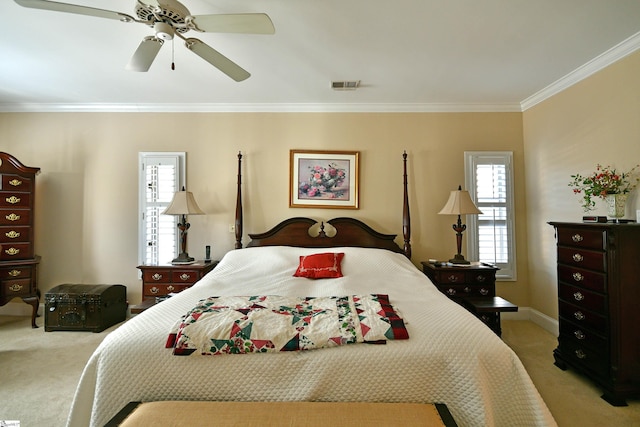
x,y
459,203
184,204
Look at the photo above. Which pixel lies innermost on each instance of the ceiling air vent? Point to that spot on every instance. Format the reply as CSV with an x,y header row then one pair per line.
x,y
345,85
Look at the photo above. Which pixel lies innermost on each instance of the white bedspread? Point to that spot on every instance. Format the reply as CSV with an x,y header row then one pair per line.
x,y
451,357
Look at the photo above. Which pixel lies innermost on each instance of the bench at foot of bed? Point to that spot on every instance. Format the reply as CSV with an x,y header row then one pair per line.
x,y
294,414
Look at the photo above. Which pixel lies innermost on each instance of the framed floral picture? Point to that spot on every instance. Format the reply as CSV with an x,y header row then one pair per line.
x,y
323,179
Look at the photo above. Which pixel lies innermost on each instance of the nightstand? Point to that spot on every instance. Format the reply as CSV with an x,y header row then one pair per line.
x,y
474,287
464,280
161,280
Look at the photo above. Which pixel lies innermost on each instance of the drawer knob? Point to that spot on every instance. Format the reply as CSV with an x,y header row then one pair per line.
x,y
578,315
13,200
15,287
185,276
577,238
480,278
15,273
467,289
581,354
578,257
12,234
577,277
13,217
170,288
155,290
453,278
484,291
579,296
12,251
451,291
579,334
15,182
157,276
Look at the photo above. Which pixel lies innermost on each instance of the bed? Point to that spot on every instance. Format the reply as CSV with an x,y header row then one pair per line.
x,y
450,356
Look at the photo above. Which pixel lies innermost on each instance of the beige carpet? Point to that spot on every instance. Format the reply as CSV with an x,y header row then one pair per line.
x,y
39,372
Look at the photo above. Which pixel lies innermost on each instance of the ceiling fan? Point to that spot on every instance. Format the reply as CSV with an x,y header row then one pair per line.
x,y
170,18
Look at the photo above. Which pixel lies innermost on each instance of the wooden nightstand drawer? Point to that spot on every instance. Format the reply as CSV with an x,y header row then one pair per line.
x,y
156,276
16,288
466,290
185,276
14,182
15,217
162,289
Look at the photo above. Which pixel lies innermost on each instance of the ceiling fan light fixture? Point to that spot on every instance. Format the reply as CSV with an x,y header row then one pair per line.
x,y
163,31
345,85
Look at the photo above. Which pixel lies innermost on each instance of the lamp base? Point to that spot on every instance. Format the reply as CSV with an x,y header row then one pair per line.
x,y
459,259
183,258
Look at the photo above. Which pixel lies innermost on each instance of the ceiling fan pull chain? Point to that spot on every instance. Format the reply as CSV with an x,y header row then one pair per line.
x,y
173,64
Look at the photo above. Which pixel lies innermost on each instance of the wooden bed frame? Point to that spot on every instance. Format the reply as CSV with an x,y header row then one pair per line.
x,y
348,231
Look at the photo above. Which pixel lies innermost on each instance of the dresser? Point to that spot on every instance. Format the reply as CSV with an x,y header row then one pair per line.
x,y
18,262
158,281
598,267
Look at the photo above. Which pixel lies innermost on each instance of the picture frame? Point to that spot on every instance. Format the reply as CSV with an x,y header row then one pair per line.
x,y
323,179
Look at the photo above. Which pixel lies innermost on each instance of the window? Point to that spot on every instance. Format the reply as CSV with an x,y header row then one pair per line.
x,y
491,235
161,175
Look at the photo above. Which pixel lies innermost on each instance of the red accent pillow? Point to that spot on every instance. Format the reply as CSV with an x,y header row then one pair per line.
x,y
320,266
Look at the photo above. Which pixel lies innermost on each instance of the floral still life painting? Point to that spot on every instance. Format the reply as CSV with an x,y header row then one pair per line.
x,y
324,179
604,181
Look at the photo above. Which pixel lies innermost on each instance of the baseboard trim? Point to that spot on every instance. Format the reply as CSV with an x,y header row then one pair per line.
x,y
524,313
547,323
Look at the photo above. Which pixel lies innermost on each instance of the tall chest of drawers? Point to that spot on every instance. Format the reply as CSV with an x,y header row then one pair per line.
x,y
18,262
599,305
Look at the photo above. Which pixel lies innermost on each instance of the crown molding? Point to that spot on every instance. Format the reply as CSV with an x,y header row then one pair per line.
x,y
612,55
257,108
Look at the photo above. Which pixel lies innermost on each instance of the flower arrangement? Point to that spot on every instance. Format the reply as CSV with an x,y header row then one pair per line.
x,y
605,180
323,180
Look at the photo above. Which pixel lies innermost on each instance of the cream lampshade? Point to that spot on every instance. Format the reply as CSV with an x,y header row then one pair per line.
x,y
184,204
459,203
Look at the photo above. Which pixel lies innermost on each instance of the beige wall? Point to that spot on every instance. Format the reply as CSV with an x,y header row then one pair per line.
x,y
594,121
87,224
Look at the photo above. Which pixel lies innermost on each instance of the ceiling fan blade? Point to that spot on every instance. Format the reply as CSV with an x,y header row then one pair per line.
x,y
73,8
145,54
249,23
217,59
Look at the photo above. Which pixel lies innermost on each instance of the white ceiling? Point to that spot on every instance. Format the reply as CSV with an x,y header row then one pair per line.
x,y
410,55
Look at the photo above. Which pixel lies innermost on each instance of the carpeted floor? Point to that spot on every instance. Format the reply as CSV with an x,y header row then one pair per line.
x,y
40,370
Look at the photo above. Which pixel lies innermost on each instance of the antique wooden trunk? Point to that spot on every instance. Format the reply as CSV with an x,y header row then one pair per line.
x,y
84,307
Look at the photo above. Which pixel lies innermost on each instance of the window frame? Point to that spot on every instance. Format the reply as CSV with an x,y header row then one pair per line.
x,y
145,158
472,159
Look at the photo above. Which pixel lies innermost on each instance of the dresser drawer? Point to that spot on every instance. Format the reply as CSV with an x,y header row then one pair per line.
x,y
14,199
583,298
16,251
583,318
583,336
582,238
12,182
184,276
577,257
15,217
577,353
162,289
156,276
15,234
583,278
16,288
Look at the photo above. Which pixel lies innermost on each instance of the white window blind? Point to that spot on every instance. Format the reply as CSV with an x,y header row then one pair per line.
x,y
161,175
489,179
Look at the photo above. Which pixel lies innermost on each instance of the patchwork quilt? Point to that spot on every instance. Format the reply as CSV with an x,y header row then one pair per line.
x,y
272,323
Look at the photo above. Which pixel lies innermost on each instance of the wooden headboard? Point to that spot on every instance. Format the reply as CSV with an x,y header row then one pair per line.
x,y
348,231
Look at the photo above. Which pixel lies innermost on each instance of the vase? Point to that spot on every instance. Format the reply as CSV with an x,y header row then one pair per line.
x,y
616,205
